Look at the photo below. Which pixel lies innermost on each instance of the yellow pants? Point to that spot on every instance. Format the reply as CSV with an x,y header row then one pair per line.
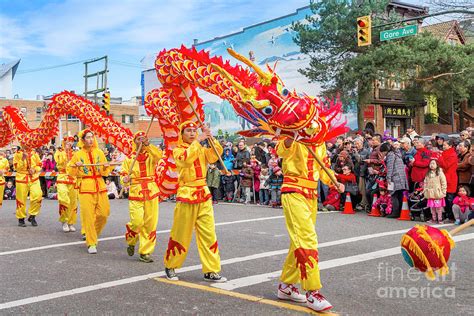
x,y
95,209
2,190
142,225
186,217
36,195
67,198
301,264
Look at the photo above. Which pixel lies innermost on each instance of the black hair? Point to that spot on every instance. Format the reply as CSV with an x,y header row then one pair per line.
x,y
386,147
466,144
465,187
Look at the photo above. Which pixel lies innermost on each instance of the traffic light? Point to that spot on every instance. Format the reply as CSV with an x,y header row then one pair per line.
x,y
364,31
106,101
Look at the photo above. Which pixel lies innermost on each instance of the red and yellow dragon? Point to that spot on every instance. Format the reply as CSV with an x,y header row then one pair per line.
x,y
258,96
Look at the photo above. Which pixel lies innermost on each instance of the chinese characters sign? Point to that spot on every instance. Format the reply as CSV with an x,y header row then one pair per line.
x,y
398,111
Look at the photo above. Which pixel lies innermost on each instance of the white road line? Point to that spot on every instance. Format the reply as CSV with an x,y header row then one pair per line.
x,y
328,264
122,236
134,279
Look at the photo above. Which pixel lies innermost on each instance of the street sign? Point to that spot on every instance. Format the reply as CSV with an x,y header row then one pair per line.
x,y
398,33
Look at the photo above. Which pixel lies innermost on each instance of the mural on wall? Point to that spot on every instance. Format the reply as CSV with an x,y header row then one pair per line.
x,y
269,42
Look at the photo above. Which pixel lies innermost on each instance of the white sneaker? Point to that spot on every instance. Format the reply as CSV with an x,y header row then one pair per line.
x,y
66,228
72,228
92,250
290,293
317,302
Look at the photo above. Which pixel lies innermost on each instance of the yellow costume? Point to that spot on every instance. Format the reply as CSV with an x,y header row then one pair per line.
x,y
300,204
94,203
26,182
193,206
143,197
66,186
4,167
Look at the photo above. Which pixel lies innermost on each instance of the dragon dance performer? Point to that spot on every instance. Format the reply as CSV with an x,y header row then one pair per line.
x,y
193,205
27,164
4,167
143,196
95,207
299,199
66,186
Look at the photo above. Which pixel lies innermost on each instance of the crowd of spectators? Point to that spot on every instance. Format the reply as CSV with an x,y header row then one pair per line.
x,y
368,164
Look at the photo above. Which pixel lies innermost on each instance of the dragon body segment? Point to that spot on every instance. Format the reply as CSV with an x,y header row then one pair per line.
x,y
258,96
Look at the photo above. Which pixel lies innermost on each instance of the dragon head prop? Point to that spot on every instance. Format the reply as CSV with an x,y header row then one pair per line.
x,y
272,108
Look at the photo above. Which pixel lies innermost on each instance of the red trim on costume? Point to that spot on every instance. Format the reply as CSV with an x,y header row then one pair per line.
x,y
197,167
172,244
303,257
143,198
214,247
152,236
311,194
310,165
91,159
19,204
62,209
130,233
197,197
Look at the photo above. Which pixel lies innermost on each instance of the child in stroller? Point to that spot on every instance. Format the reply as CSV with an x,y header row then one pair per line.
x,y
418,204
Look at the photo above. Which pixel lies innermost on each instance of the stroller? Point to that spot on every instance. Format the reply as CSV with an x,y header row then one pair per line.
x,y
418,204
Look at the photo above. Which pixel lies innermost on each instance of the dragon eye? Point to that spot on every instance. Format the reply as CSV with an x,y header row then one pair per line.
x,y
268,110
285,92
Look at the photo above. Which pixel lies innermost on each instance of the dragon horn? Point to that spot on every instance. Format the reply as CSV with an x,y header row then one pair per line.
x,y
265,77
245,91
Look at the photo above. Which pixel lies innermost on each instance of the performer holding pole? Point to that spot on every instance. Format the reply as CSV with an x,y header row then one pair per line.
x,y
66,186
143,196
194,204
299,199
27,164
93,198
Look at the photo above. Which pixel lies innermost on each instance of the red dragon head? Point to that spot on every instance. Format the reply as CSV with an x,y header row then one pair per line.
x,y
274,109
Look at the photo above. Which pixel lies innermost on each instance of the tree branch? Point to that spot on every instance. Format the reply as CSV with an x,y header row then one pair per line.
x,y
440,75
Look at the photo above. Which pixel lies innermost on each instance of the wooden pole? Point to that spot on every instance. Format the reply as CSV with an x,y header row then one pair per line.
x,y
462,227
211,142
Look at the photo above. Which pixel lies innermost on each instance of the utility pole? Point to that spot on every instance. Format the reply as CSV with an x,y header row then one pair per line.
x,y
100,78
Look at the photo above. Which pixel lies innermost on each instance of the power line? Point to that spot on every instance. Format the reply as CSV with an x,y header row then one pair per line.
x,y
117,62
49,67
127,64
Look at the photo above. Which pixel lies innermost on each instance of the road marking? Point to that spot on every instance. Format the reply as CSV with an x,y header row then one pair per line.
x,y
11,252
251,298
328,264
134,279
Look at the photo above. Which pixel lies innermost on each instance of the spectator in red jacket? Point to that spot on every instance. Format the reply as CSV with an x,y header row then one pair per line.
x,y
449,163
421,162
332,201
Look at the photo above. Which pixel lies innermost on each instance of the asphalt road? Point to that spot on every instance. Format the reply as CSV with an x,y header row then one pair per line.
x,y
46,271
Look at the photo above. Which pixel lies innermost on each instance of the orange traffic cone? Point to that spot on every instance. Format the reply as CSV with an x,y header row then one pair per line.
x,y
348,205
375,212
405,213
